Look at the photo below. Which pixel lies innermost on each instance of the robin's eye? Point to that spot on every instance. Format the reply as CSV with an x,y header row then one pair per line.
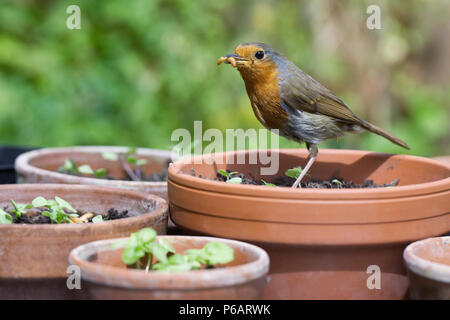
x,y
259,55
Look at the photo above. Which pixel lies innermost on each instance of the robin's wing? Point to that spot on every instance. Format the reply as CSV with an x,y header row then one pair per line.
x,y
300,91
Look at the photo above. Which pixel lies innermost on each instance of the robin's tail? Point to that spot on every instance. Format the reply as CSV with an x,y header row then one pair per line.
x,y
368,126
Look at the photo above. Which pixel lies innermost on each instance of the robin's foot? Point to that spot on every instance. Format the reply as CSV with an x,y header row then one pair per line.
x,y
313,152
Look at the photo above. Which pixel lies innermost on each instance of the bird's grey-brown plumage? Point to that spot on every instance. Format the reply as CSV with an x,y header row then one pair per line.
x,y
303,93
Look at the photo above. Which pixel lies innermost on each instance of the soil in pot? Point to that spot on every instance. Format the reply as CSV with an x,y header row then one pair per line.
x,y
323,243
106,276
289,177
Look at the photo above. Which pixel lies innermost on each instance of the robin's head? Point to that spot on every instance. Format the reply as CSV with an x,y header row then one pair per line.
x,y
253,59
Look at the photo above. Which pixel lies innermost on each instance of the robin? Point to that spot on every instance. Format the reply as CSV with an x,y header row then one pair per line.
x,y
284,97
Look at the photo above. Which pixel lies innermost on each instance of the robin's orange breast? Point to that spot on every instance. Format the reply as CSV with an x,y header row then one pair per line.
x,y
265,99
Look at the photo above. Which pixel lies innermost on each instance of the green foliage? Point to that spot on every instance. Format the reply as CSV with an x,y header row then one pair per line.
x,y
336,181
111,156
19,208
98,218
70,167
267,183
5,218
229,176
294,172
212,253
177,262
55,209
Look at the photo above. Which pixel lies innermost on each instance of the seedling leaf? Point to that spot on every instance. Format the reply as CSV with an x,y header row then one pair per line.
x,y
86,169
268,184
100,173
98,218
294,172
64,204
19,208
166,245
235,180
69,166
111,156
224,173
5,218
158,251
141,162
39,202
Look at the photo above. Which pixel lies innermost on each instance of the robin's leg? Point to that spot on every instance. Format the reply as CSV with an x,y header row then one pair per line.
x,y
313,152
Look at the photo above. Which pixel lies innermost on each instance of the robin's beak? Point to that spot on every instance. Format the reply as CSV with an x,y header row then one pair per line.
x,y
233,59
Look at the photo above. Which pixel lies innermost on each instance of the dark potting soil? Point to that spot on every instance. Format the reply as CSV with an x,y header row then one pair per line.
x,y
38,218
285,181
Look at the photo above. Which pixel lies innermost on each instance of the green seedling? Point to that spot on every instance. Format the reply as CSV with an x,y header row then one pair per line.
x,y
98,218
212,253
69,166
19,208
177,262
228,176
336,181
142,246
294,172
267,183
55,209
5,218
111,156
86,169
132,159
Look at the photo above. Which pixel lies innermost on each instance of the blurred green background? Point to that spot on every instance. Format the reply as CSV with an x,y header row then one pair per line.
x,y
139,69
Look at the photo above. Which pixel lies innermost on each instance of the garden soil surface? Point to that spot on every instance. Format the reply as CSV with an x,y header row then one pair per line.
x,y
285,181
38,218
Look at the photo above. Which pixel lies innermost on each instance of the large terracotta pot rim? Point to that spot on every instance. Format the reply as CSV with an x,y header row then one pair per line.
x,y
183,179
189,280
424,267
23,165
159,211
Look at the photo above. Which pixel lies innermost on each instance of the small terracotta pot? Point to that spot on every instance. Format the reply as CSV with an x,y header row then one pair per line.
x,y
428,263
321,241
40,166
39,252
107,277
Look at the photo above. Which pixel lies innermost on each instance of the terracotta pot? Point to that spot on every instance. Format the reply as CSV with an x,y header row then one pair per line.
x,y
40,166
321,241
39,252
107,277
445,159
428,263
